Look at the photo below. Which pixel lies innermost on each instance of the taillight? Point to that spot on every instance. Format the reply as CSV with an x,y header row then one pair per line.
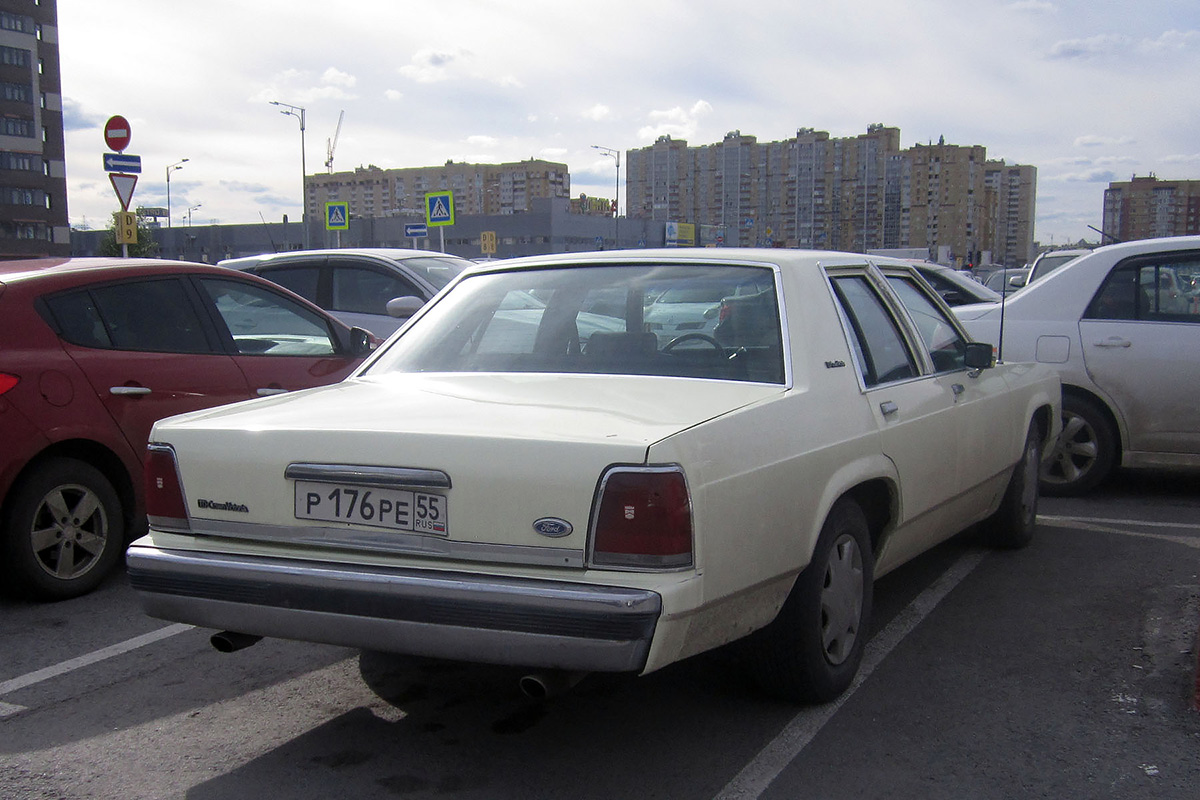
x,y
643,519
7,381
165,506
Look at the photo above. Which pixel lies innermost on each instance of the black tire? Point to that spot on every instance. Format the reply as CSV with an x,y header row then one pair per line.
x,y
1011,527
811,651
1084,454
62,532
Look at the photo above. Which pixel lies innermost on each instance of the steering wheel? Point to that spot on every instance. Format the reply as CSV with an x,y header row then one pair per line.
x,y
687,337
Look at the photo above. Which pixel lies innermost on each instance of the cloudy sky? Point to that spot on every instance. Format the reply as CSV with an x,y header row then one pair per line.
x,y
1088,91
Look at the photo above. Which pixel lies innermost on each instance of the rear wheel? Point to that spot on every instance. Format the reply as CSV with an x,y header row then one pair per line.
x,y
812,650
1013,523
63,530
1084,453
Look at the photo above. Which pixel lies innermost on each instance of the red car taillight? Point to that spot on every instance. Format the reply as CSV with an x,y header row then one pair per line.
x,y
165,506
643,519
7,381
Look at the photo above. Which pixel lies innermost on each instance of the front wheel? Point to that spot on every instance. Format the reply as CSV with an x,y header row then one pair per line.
x,y
811,652
1012,525
63,531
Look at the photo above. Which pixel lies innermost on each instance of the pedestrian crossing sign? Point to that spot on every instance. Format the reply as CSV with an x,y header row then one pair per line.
x,y
337,216
439,208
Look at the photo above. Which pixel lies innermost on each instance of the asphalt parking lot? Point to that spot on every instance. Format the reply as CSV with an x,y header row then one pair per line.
x,y
1067,669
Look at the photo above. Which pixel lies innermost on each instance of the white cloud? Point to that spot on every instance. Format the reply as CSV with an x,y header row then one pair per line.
x,y
1092,47
1092,140
1035,6
676,122
597,112
483,141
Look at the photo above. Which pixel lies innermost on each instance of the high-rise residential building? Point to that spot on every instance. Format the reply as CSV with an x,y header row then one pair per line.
x,y
479,189
33,175
1146,208
855,193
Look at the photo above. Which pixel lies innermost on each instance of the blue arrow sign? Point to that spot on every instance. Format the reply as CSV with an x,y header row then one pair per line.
x,y
416,231
121,162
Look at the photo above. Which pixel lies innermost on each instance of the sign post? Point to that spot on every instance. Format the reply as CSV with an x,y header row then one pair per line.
x,y
439,212
122,171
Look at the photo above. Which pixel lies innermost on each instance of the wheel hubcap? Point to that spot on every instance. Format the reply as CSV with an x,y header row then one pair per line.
x,y
1075,451
841,599
69,531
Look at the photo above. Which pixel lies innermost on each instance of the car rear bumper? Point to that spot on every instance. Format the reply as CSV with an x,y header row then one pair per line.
x,y
454,615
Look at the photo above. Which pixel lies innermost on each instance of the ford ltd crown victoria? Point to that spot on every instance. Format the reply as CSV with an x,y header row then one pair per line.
x,y
507,489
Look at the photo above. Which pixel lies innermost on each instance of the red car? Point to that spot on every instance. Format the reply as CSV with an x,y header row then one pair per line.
x,y
92,353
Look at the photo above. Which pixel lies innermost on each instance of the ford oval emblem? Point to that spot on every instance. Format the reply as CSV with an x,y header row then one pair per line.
x,y
553,527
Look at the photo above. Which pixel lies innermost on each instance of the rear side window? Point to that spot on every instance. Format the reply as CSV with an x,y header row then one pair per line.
x,y
364,290
152,316
1151,292
882,354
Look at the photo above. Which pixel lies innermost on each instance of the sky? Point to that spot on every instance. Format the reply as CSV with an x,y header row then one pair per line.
x,y
1088,92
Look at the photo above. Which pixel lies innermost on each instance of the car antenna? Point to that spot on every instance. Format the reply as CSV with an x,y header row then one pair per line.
x,y
1003,298
270,238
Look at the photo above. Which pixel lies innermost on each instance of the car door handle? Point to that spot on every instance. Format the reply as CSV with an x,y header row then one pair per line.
x,y
1113,341
888,408
267,391
128,391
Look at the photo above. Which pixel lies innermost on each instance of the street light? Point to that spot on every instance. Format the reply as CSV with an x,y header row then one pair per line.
x,y
190,210
170,169
298,113
615,154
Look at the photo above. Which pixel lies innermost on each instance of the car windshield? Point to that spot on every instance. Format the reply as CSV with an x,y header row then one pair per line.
x,y
438,271
591,319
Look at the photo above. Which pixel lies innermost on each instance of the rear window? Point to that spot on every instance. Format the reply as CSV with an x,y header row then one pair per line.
x,y
594,320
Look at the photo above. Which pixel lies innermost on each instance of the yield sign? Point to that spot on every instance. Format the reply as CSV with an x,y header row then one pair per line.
x,y
123,184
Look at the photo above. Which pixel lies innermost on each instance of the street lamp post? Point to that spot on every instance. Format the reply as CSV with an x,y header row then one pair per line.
x,y
298,113
170,169
190,210
616,155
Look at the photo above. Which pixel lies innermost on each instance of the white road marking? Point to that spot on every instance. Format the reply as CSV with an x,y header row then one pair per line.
x,y
1110,526
63,667
756,776
1050,519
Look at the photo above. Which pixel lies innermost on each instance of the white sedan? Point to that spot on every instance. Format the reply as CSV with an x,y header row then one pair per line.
x,y
532,496
1122,326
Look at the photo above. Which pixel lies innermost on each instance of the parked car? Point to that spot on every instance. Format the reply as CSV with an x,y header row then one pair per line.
x,y
96,350
694,307
356,285
1050,260
1007,281
474,495
1126,341
955,287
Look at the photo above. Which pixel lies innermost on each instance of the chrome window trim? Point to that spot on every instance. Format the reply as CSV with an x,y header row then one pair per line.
x,y
382,477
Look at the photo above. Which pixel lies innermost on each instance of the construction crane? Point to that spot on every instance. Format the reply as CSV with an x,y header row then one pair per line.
x,y
331,144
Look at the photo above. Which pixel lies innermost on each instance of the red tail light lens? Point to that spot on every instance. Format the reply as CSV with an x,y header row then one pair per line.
x,y
165,506
643,519
7,381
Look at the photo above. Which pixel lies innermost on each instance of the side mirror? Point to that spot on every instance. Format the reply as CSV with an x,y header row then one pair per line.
x,y
404,307
978,355
362,342
1017,281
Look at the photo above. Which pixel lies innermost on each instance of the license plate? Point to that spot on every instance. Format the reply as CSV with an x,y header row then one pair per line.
x,y
396,509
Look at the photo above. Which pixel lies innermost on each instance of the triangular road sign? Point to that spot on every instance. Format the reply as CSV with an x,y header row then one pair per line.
x,y
123,184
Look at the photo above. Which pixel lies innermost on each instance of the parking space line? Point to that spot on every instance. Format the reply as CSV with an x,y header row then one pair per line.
x,y
1141,523
1122,527
756,776
63,667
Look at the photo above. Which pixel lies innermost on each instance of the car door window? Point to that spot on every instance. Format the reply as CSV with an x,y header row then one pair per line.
x,y
303,280
155,316
1151,292
947,348
883,356
261,322
365,290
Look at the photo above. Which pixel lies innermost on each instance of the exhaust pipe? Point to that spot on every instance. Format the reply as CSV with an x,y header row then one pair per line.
x,y
540,685
229,641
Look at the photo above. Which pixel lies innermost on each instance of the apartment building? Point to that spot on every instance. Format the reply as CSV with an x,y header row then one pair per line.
x,y
489,189
854,193
1146,208
33,176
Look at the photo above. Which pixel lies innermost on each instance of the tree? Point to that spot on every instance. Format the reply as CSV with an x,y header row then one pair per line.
x,y
146,245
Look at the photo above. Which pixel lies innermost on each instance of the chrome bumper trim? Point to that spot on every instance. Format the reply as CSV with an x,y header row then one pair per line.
x,y
455,615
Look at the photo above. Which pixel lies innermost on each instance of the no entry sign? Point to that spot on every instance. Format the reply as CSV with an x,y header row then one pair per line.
x,y
116,133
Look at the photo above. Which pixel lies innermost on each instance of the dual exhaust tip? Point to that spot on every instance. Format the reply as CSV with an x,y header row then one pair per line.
x,y
536,685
